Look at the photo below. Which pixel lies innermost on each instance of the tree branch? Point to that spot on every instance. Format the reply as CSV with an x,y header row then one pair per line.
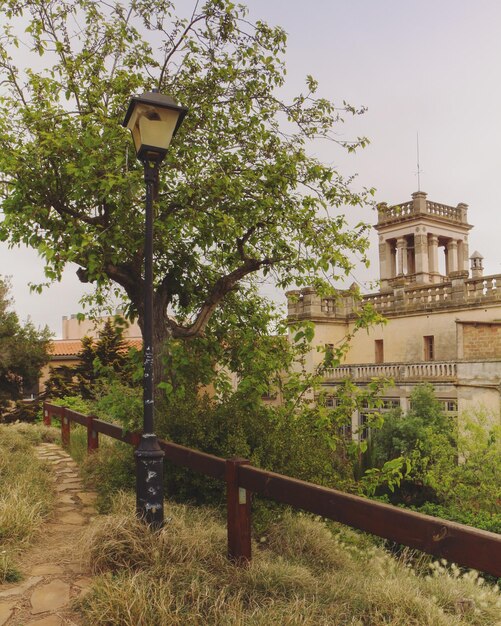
x,y
175,47
221,287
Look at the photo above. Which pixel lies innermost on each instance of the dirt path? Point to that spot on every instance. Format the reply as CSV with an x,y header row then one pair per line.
x,y
52,575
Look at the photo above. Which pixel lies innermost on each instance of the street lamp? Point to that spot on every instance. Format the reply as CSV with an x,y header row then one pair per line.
x,y
153,120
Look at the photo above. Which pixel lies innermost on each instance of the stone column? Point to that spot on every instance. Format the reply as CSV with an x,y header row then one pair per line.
x,y
463,254
401,256
393,260
433,255
385,262
458,287
421,257
452,256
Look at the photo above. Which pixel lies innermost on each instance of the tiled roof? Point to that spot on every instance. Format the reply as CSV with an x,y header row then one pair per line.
x,y
65,347
135,342
71,347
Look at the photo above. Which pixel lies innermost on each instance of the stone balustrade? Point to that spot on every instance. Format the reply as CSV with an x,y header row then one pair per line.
x,y
427,207
381,301
485,287
407,298
450,212
429,370
389,213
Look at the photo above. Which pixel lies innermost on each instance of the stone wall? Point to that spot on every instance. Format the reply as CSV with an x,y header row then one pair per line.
x,y
481,341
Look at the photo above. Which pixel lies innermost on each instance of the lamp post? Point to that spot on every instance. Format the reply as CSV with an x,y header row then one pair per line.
x,y
153,120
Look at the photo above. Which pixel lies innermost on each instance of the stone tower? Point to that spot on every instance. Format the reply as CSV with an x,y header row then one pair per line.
x,y
411,236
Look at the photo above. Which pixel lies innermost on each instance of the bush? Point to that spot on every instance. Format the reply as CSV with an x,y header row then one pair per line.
x,y
470,482
401,434
267,436
109,469
455,462
479,519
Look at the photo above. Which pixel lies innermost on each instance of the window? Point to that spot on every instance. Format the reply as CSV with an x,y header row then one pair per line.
x,y
331,402
429,348
345,431
379,350
329,354
270,394
268,397
450,406
390,403
363,428
368,410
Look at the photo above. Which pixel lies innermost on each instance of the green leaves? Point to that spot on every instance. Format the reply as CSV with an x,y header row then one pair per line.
x,y
390,475
23,351
239,195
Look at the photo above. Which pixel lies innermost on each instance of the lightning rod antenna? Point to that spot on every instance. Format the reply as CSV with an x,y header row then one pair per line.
x,y
419,171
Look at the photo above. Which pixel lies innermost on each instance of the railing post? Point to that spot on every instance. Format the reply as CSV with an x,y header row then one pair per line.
x,y
238,514
65,430
92,435
46,415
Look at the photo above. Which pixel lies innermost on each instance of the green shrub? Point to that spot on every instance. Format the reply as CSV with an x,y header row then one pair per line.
x,y
75,403
455,463
479,519
108,470
119,403
267,436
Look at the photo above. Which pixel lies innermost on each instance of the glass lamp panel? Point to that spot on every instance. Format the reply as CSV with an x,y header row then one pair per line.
x,y
136,136
156,133
136,112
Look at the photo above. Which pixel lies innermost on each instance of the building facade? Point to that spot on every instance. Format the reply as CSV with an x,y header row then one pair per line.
x,y
443,317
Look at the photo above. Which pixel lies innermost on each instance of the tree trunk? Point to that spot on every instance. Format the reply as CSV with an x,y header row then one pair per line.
x,y
161,334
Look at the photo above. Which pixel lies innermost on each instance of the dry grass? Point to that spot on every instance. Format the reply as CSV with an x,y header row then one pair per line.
x,y
26,494
302,575
33,433
8,570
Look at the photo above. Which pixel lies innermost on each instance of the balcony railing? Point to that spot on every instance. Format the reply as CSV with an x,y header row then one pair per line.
x,y
429,370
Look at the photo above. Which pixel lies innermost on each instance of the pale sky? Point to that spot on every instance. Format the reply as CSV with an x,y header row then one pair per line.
x,y
420,66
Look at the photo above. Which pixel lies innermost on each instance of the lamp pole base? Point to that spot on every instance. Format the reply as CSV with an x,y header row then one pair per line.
x,y
149,481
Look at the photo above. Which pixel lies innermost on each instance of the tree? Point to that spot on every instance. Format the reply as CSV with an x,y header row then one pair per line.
x,y
102,357
240,198
415,430
465,476
423,440
23,351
